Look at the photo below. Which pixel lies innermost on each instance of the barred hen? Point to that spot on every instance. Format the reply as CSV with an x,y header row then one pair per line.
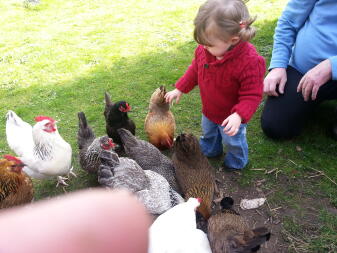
x,y
148,157
194,172
89,146
116,116
151,188
160,123
228,232
15,186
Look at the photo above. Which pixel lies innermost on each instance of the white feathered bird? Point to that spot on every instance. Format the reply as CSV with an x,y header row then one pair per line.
x,y
41,148
176,231
19,134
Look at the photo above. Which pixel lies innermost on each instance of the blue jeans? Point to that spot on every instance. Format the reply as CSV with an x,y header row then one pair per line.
x,y
211,144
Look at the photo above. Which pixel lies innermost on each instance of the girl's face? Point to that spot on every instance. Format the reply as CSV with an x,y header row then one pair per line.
x,y
220,47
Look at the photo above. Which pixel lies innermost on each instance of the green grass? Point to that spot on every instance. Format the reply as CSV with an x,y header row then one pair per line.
x,y
58,58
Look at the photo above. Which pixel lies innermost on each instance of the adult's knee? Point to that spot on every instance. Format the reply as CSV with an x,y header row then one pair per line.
x,y
278,130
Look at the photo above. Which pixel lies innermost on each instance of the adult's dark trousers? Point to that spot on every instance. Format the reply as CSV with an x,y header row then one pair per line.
x,y
283,117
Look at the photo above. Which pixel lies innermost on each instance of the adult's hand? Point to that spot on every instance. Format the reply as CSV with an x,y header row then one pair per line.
x,y
88,221
277,77
314,79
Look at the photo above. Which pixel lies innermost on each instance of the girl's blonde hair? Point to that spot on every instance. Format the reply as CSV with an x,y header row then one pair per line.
x,y
223,19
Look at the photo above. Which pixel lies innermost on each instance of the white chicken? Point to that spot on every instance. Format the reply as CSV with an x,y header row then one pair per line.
x,y
41,148
19,134
176,231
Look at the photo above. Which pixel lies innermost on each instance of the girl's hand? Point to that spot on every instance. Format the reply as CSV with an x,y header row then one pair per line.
x,y
232,124
174,94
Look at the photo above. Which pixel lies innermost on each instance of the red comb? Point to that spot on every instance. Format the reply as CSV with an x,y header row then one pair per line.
x,y
128,108
12,158
40,118
111,143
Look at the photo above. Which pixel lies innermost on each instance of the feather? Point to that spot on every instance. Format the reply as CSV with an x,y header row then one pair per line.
x,y
19,134
160,123
229,233
193,171
148,157
151,188
41,148
116,116
89,146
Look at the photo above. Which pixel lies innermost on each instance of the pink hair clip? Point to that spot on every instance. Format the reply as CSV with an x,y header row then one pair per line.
x,y
242,24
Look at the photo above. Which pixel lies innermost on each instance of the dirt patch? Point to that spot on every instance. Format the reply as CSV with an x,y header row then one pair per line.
x,y
290,213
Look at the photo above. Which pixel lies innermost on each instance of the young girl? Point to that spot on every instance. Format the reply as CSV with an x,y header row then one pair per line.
x,y
229,73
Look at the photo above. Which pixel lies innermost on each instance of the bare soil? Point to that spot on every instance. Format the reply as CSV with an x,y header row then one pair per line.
x,y
303,209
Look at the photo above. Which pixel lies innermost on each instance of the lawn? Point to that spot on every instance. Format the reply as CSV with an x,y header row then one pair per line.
x,y
59,57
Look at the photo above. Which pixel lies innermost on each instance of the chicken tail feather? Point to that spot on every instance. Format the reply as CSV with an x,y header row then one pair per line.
x,y
107,97
251,240
85,133
166,143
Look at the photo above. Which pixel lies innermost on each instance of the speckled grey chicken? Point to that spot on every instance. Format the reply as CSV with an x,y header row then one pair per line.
x,y
229,233
151,188
116,116
193,172
89,146
148,157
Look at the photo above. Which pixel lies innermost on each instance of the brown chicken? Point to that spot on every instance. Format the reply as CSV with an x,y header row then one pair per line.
x,y
193,172
15,186
228,232
159,123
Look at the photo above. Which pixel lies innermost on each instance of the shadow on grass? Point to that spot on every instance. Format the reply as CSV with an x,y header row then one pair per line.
x,y
134,79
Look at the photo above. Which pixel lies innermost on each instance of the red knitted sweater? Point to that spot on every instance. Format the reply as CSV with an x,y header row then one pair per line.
x,y
232,84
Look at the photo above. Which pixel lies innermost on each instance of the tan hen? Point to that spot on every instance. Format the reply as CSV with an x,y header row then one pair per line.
x,y
160,123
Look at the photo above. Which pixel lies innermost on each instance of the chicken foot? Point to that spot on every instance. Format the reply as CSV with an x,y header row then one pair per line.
x,y
61,181
71,172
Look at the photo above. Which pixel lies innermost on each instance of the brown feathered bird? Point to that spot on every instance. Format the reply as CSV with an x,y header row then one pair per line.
x,y
193,172
229,233
160,123
116,116
15,186
89,146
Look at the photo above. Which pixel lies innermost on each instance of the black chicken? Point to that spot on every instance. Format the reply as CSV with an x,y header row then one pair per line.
x,y
116,116
89,146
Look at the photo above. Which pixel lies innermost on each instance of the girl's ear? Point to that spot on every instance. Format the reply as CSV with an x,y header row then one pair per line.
x,y
234,40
